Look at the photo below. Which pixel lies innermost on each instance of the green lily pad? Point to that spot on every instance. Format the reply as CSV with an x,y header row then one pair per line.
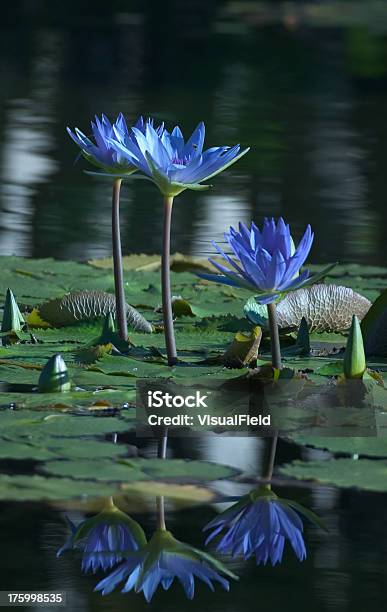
x,y
171,470
40,448
366,474
370,447
24,422
38,488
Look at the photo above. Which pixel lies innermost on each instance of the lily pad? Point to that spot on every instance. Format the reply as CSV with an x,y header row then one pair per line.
x,y
40,448
326,308
23,423
171,470
181,492
38,488
366,474
370,447
86,306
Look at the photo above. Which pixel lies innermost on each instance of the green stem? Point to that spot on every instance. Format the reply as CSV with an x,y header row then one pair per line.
x,y
161,454
274,337
160,510
117,262
166,283
273,450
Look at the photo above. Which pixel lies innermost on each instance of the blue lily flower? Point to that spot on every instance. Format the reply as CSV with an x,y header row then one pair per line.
x,y
102,153
173,164
259,524
266,260
104,539
161,561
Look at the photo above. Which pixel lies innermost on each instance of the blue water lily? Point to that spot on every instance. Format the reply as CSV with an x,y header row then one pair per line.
x,y
112,163
171,162
104,539
266,260
260,524
161,561
101,152
173,165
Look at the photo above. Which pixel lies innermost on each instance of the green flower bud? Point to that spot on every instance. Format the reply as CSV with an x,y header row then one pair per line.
x,y
13,319
54,377
354,363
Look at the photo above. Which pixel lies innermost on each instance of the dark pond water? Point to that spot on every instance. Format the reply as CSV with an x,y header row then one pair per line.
x,y
308,93
344,570
306,88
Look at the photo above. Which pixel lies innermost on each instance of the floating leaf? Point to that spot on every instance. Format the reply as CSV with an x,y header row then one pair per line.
x,y
182,492
41,448
370,447
142,262
38,488
366,474
24,422
171,470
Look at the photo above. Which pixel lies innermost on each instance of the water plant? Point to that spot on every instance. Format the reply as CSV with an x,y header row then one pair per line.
x,y
112,163
54,377
267,263
354,362
13,320
174,165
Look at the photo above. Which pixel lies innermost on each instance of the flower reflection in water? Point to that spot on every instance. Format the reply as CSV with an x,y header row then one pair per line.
x,y
260,523
161,561
104,539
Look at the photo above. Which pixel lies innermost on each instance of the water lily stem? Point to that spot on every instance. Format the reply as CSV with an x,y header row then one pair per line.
x,y
161,454
166,283
117,262
162,444
274,337
273,450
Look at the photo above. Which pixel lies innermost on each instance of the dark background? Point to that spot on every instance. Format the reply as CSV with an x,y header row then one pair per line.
x,y
304,84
